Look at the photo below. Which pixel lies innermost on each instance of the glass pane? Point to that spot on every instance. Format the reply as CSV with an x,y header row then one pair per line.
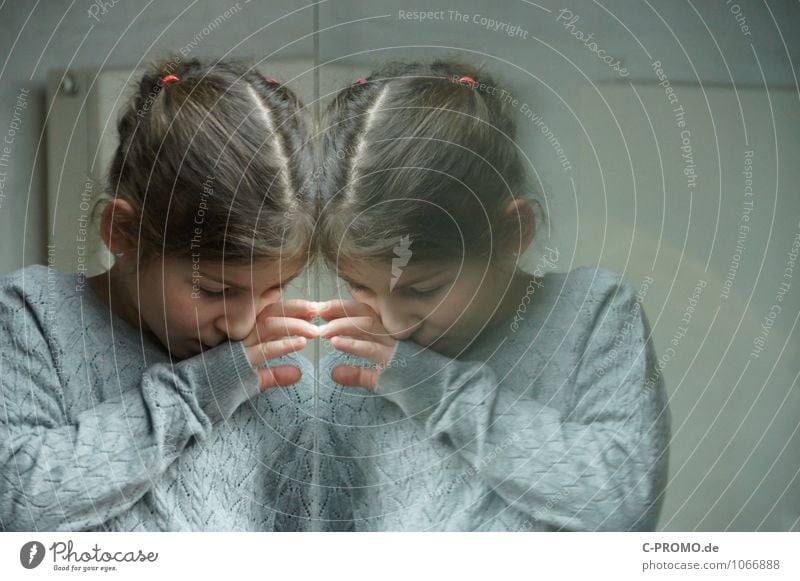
x,y
555,248
529,391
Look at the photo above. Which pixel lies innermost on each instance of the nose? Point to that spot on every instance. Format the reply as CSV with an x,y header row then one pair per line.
x,y
238,321
400,324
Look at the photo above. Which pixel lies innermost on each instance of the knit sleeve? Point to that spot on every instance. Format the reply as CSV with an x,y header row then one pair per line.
x,y
71,474
602,466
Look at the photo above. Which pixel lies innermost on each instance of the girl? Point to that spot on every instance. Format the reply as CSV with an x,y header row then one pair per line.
x,y
496,399
133,402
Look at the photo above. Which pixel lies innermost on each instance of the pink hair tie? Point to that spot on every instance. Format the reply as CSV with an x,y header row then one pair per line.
x,y
468,81
361,81
169,79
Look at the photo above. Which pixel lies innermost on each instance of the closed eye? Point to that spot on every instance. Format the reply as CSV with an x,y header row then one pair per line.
x,y
424,293
215,292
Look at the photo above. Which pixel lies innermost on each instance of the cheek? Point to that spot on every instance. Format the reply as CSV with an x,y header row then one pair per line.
x,y
457,310
182,313
448,312
182,319
151,305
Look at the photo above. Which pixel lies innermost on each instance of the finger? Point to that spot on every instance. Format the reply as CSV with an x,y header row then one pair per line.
x,y
277,327
278,376
371,350
336,309
353,376
360,327
258,354
294,308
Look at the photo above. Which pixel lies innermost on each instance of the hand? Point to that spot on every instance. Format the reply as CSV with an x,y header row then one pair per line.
x,y
355,328
281,328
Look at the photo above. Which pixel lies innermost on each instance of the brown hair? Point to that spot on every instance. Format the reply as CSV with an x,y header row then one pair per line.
x,y
422,154
214,163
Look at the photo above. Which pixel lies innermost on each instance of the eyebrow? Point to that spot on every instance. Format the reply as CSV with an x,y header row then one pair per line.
x,y
236,286
401,283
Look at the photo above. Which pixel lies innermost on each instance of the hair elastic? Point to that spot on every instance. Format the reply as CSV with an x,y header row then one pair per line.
x,y
465,80
168,79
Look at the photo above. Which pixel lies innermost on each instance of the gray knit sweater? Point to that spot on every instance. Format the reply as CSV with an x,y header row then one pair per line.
x,y
554,421
99,430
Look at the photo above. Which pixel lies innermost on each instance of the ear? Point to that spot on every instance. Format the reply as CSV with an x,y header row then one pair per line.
x,y
520,219
115,223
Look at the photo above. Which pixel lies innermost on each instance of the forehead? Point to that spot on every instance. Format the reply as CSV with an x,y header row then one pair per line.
x,y
380,273
244,273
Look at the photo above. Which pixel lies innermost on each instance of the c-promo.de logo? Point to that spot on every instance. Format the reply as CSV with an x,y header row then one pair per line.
x,y
31,554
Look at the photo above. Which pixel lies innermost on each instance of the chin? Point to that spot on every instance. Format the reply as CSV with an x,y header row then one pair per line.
x,y
452,347
185,351
443,346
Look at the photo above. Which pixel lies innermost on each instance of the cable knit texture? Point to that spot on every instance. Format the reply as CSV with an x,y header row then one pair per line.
x,y
558,421
100,430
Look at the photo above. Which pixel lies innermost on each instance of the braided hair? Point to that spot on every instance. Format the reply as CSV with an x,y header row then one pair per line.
x,y
423,151
212,157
